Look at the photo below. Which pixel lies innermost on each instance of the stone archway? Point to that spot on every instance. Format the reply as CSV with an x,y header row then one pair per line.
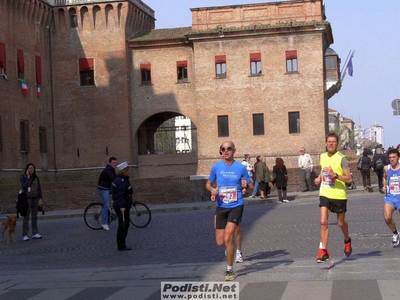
x,y
159,134
167,146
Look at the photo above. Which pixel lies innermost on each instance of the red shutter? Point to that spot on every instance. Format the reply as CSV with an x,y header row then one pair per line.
x,y
181,64
219,59
3,56
38,64
145,67
255,56
86,64
20,58
291,54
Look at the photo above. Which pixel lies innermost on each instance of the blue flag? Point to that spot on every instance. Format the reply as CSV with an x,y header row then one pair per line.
x,y
350,67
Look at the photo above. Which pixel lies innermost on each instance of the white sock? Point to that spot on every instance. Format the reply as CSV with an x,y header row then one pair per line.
x,y
229,268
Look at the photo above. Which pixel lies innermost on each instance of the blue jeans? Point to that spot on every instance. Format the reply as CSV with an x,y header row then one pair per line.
x,y
105,196
255,191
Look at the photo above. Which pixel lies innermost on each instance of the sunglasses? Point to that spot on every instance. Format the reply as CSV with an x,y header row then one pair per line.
x,y
226,149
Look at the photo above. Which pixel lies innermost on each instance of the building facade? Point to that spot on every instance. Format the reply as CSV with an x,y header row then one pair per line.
x,y
258,74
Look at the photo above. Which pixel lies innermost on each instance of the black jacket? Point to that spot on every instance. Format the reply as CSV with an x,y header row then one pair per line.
x,y
280,173
122,193
366,163
106,178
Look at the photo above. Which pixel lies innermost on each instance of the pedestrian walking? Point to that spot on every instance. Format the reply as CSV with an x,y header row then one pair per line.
x,y
365,163
279,173
378,162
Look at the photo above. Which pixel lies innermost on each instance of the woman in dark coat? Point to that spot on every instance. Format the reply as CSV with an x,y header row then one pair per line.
x,y
366,165
30,183
122,196
280,175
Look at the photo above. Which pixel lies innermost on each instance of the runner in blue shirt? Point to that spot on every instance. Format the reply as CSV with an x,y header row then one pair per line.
x,y
228,192
391,186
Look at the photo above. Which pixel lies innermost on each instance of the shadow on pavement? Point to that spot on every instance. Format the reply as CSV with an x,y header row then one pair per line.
x,y
355,257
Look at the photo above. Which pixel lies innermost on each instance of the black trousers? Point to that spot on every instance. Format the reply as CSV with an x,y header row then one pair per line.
x,y
123,225
380,178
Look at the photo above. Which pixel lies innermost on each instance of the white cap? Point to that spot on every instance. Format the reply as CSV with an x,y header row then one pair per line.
x,y
122,166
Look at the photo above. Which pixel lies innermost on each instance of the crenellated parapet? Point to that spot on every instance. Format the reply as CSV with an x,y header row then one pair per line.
x,y
35,13
100,15
138,3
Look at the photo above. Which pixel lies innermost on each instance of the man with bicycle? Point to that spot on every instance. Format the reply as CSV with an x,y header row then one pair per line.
x,y
228,193
107,176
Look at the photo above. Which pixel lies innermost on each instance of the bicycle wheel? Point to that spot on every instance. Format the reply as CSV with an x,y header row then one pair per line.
x,y
140,215
92,215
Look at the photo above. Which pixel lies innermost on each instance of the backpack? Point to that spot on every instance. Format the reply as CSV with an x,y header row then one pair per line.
x,y
379,164
359,164
22,204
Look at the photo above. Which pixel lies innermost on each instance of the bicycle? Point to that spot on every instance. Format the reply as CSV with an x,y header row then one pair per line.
x,y
139,215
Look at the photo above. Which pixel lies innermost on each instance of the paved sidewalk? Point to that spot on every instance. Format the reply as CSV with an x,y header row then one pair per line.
x,y
160,208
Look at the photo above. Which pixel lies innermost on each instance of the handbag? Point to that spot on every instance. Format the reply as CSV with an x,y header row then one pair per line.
x,y
359,164
286,178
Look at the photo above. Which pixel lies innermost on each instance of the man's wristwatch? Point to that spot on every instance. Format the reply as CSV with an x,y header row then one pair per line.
x,y
336,176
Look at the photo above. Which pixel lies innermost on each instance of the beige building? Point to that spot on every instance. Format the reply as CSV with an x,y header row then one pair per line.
x,y
258,74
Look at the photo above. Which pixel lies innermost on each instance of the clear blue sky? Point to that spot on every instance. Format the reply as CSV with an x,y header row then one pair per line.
x,y
370,28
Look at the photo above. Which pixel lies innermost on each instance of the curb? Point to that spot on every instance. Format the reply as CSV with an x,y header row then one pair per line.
x,y
207,205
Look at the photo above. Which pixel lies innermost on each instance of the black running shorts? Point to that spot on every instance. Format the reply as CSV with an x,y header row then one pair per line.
x,y
225,215
335,206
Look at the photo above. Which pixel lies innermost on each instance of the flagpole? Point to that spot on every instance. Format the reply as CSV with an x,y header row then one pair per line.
x,y
349,57
345,63
345,66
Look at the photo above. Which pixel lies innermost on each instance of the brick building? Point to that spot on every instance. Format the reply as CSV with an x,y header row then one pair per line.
x,y
258,74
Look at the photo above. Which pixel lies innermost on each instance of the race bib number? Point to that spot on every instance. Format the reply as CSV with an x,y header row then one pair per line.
x,y
394,185
327,181
228,194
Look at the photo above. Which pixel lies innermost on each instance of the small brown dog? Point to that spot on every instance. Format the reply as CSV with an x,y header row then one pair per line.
x,y
10,224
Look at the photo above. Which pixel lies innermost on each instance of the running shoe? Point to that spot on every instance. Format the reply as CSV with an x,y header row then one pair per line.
x,y
230,275
322,256
347,248
395,240
239,257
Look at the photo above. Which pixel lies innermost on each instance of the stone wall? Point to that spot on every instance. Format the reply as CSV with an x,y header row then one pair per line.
x,y
76,195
